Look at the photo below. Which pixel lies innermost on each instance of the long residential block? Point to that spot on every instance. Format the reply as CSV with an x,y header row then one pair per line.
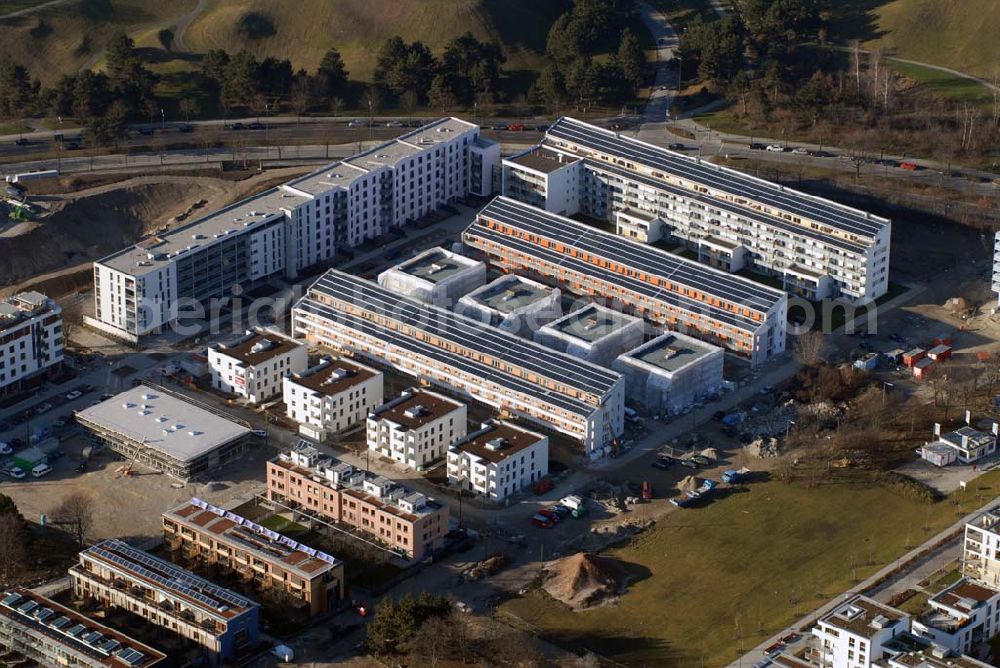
x,y
666,289
817,247
201,532
41,630
298,224
406,522
117,575
468,357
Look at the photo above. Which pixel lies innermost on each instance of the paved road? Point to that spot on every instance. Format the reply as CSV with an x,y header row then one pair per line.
x,y
665,84
32,10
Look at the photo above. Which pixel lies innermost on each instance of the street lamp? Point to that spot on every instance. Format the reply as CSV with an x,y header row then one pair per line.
x,y
885,384
788,427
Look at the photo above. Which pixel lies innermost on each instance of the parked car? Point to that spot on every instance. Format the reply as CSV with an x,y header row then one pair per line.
x,y
356,123
14,472
146,131
184,127
393,124
561,510
256,125
44,408
235,126
41,470
59,423
516,127
543,521
701,461
800,150
662,463
105,397
676,146
910,166
552,515
756,146
74,395
687,463
776,148
21,141
5,449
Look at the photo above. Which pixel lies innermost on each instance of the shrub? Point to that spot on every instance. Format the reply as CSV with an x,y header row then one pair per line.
x,y
254,25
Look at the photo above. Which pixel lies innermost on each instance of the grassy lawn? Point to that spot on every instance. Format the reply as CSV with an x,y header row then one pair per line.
x,y
755,561
681,12
13,128
284,526
946,85
915,604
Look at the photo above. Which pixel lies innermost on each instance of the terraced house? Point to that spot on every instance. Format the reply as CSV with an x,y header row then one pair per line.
x,y
666,289
490,365
818,248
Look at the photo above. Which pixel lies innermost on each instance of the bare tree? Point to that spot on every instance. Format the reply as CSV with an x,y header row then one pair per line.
x,y
809,348
76,513
189,107
13,544
995,80
408,102
433,640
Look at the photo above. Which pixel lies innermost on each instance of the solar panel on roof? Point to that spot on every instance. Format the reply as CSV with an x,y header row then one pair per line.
x,y
11,599
76,631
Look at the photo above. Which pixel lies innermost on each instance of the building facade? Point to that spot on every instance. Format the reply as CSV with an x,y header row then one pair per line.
x,y
498,459
856,633
116,575
818,248
198,531
49,634
299,224
465,356
665,289
31,339
405,522
332,396
254,365
416,428
960,618
981,548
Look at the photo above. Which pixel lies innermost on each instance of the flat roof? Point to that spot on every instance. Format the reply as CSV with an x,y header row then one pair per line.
x,y
169,424
416,407
435,265
541,159
469,341
672,351
263,543
332,376
258,346
68,628
496,441
965,595
159,250
853,222
592,323
23,306
925,658
508,293
577,240
168,578
858,614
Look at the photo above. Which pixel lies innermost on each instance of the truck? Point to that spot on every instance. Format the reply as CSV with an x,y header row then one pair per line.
x,y
574,503
734,477
689,497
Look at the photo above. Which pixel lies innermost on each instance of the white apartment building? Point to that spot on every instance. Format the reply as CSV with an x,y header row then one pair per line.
x,y
855,634
498,460
961,617
332,396
254,365
31,339
466,356
416,428
818,248
299,224
981,549
996,265
436,276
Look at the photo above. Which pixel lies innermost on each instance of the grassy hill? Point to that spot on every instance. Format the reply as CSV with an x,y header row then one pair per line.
x,y
62,39
961,34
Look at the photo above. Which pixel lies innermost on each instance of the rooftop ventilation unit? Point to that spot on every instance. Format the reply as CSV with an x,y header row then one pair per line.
x,y
590,323
415,411
496,444
437,267
262,345
670,352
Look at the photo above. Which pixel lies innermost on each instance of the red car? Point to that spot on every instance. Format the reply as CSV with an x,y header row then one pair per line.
x,y
515,127
647,490
912,166
551,514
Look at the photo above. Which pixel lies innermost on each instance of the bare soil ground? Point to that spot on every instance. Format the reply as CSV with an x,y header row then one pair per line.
x,y
82,226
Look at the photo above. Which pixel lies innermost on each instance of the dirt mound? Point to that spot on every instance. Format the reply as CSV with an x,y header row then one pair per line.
x,y
583,580
688,484
710,453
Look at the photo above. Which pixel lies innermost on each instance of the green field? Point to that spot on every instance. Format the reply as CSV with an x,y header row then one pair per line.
x,y
947,85
731,574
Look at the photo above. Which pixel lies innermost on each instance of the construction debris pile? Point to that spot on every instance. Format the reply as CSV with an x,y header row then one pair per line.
x,y
583,580
615,498
488,566
763,448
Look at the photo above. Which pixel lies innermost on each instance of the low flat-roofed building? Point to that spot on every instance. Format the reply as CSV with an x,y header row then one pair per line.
x,y
165,431
498,460
436,276
961,617
671,372
253,365
855,633
332,396
202,532
41,630
114,574
965,445
593,333
406,522
416,428
513,303
31,339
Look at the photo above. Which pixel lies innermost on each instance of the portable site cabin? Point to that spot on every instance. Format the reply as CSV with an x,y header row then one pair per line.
x,y
939,353
910,358
922,368
894,356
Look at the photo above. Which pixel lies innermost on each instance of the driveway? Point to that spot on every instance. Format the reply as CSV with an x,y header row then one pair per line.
x,y
665,84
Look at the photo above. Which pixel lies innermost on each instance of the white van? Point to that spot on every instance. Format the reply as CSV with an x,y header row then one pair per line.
x,y
40,470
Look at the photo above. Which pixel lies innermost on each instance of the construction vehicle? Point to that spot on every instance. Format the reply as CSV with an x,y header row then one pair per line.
x,y
690,497
734,477
126,471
